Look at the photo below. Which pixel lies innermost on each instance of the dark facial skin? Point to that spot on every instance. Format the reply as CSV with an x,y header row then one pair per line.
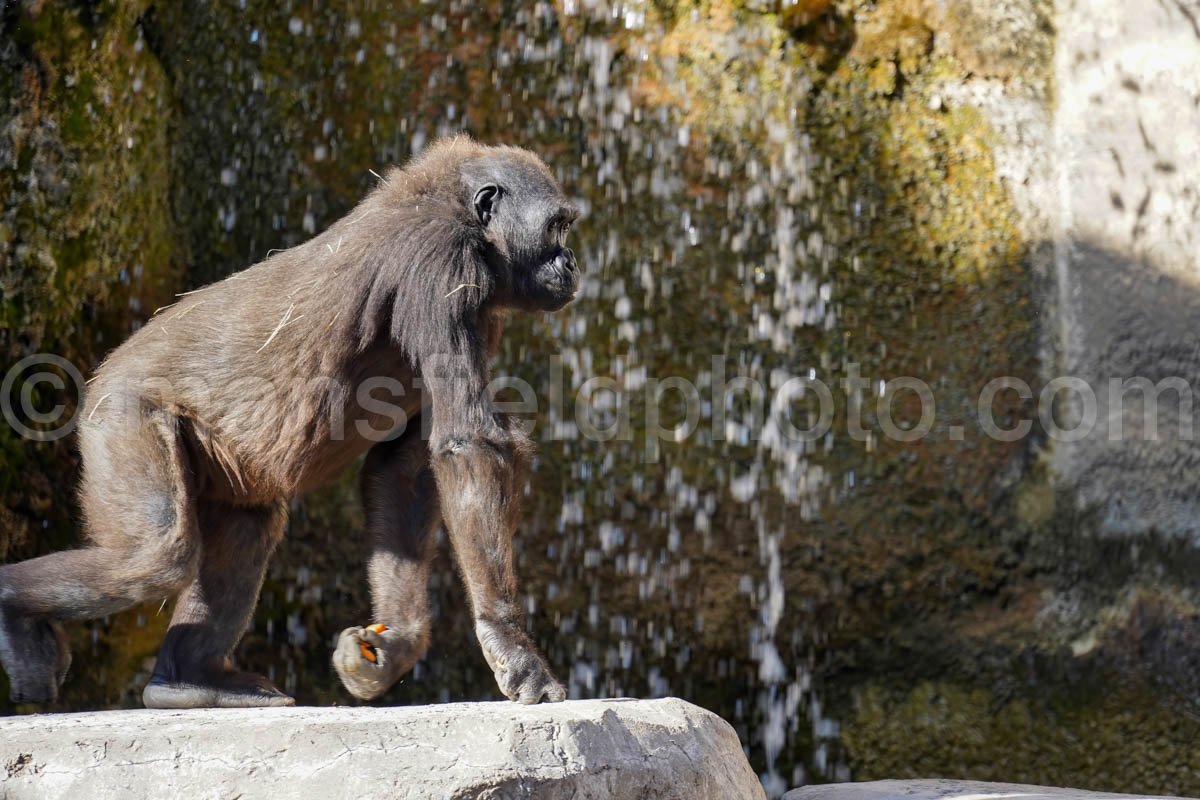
x,y
203,425
527,220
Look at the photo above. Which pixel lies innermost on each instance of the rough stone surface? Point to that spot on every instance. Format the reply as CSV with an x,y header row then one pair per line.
x,y
587,749
1105,180
939,789
1129,162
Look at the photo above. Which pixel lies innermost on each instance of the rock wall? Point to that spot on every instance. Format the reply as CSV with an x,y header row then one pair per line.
x,y
1127,257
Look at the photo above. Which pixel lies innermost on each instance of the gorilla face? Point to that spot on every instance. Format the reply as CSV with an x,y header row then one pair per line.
x,y
526,218
547,278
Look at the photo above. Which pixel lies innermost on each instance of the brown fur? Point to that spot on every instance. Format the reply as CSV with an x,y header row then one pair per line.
x,y
250,391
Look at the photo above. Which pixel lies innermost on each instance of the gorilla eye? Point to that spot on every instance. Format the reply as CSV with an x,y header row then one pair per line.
x,y
559,231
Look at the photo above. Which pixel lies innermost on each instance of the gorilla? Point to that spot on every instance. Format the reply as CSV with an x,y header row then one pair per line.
x,y
198,430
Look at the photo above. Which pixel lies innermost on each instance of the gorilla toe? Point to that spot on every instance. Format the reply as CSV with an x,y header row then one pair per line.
x,y
234,689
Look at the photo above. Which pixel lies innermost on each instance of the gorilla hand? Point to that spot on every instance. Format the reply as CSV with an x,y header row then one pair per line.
x,y
520,670
370,660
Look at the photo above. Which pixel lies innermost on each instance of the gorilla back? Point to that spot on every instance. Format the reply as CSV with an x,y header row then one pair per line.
x,y
373,337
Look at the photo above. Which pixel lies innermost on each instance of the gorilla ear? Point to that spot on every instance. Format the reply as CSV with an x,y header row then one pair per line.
x,y
485,201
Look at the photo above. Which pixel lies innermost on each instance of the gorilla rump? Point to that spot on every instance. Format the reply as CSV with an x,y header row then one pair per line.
x,y
200,427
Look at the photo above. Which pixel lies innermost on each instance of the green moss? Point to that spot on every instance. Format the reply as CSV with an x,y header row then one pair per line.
x,y
1104,738
80,130
86,230
77,119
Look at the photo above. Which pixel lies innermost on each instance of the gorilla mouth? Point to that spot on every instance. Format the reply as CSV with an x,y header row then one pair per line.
x,y
558,279
568,271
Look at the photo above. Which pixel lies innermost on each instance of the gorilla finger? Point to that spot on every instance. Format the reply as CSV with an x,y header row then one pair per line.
x,y
529,695
349,655
346,661
347,641
350,634
535,687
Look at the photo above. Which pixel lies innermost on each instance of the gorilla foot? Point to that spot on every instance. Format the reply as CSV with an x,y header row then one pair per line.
x,y
35,655
370,660
521,671
233,689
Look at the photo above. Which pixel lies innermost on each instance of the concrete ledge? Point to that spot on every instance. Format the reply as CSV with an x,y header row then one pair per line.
x,y
940,789
585,749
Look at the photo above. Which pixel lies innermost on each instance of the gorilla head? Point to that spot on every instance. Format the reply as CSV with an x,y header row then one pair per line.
x,y
525,219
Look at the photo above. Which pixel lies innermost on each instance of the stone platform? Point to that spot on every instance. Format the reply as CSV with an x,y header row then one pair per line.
x,y
662,749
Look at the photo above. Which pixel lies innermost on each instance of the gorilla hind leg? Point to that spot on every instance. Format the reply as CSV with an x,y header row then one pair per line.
x,y
140,509
195,667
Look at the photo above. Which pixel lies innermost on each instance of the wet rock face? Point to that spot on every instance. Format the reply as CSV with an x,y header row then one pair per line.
x,y
86,238
1004,39
589,750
